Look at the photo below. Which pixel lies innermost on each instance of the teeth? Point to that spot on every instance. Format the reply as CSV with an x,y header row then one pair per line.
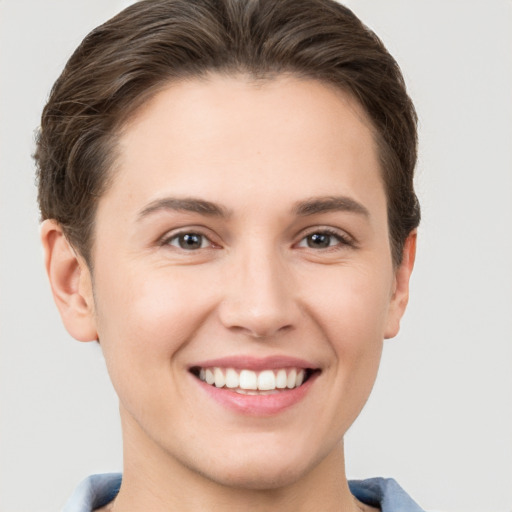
x,y
292,377
248,380
209,377
220,380
266,380
252,392
253,383
232,378
281,379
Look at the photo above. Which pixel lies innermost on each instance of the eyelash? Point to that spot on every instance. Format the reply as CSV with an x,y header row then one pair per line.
x,y
342,240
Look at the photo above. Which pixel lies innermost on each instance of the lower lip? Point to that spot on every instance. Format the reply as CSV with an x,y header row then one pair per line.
x,y
258,405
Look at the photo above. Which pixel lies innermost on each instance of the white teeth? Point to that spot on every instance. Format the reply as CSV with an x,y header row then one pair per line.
x,y
253,383
248,379
209,377
220,380
252,392
281,379
266,380
232,378
292,377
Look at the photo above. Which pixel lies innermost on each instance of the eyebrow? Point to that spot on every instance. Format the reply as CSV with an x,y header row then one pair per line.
x,y
304,208
188,204
326,204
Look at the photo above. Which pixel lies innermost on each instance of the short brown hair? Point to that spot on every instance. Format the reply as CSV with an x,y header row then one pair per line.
x,y
125,61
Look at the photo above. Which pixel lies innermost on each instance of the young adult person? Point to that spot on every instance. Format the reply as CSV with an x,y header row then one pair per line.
x,y
226,189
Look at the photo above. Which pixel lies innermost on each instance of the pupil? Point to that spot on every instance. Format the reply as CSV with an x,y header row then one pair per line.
x,y
319,240
190,241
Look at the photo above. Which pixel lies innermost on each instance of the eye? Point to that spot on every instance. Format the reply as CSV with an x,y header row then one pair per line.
x,y
188,241
324,240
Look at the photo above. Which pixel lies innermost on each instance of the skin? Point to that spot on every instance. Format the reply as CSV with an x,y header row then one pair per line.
x,y
255,286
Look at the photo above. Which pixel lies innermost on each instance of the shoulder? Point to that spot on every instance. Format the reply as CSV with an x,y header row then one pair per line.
x,y
94,492
384,493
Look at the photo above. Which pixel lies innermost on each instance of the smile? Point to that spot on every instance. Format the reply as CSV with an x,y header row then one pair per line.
x,y
249,382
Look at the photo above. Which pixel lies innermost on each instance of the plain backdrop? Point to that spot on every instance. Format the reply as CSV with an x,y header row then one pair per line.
x,y
440,417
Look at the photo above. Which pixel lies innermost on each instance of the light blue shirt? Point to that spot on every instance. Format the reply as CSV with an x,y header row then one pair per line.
x,y
98,490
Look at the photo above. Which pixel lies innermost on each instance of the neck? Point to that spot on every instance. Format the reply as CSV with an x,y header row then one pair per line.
x,y
155,480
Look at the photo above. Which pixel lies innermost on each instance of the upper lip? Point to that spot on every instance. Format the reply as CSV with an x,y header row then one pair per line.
x,y
247,362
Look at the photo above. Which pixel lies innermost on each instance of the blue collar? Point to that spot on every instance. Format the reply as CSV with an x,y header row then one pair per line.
x,y
98,490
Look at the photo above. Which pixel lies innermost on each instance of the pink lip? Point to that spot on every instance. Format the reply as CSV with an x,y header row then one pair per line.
x,y
255,363
256,405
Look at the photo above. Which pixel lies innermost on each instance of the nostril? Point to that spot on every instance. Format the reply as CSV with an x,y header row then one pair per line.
x,y
260,330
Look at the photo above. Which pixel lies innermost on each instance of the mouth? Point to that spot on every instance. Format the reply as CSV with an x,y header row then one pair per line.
x,y
245,381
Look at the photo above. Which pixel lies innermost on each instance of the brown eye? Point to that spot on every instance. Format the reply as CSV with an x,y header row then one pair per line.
x,y
326,239
189,241
319,240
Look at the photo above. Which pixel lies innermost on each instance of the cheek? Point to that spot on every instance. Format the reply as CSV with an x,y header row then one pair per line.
x,y
352,305
349,307
356,332
145,317
352,308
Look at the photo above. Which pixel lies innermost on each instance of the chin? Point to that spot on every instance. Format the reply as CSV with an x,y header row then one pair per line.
x,y
247,476
260,470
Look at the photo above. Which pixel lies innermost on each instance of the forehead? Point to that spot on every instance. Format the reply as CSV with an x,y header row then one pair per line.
x,y
230,132
225,101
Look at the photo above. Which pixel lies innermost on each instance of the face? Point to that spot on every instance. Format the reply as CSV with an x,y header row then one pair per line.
x,y
243,281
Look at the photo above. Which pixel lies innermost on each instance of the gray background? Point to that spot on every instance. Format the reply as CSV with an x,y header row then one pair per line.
x,y
440,417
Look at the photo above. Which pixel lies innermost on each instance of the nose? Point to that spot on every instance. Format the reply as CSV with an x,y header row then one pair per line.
x,y
259,298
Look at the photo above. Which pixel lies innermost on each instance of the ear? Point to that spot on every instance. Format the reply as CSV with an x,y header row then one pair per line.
x,y
70,281
400,295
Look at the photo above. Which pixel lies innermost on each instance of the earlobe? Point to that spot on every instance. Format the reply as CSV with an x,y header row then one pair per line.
x,y
70,281
400,296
